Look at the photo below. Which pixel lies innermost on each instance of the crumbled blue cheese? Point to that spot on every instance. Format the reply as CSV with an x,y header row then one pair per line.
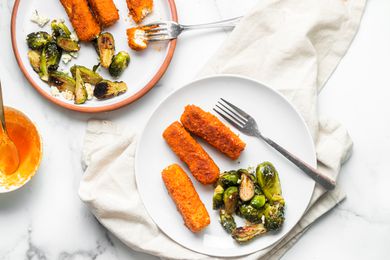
x,y
90,90
54,91
39,19
68,95
66,58
74,54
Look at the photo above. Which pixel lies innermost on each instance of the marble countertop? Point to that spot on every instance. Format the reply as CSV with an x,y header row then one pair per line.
x,y
47,220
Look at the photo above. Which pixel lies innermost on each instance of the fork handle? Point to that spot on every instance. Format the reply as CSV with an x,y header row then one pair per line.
x,y
317,176
224,23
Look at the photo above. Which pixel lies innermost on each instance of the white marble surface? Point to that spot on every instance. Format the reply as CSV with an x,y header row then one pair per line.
x,y
46,219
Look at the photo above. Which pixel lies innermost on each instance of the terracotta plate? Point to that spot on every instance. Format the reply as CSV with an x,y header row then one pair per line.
x,y
145,70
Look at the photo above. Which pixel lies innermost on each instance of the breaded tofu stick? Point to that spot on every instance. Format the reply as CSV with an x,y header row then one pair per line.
x,y
105,11
189,151
186,198
139,9
83,22
212,130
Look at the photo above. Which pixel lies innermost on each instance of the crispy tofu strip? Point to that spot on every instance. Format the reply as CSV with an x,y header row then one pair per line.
x,y
186,198
139,9
212,130
105,12
189,151
83,22
137,39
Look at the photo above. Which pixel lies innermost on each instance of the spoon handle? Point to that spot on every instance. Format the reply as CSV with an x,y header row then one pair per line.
x,y
2,116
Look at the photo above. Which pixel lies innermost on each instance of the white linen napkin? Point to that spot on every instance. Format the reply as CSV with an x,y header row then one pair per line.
x,y
291,45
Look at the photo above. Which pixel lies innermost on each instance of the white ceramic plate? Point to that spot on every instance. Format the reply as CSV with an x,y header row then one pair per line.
x,y
277,119
145,68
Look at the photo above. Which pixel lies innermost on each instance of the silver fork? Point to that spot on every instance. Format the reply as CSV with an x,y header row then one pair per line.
x,y
168,30
247,125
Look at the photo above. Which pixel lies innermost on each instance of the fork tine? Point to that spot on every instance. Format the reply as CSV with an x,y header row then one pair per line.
x,y
155,29
155,39
232,116
232,111
236,125
156,24
240,111
156,34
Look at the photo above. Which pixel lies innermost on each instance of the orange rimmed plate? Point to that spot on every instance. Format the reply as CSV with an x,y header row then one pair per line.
x,y
145,70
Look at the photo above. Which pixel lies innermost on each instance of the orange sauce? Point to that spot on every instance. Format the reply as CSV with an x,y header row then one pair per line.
x,y
27,140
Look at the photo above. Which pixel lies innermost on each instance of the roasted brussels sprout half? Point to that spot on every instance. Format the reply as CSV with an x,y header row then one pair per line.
x,y
249,213
53,56
50,58
231,178
218,197
105,46
268,179
62,81
230,199
107,89
43,69
80,90
88,76
227,221
258,201
247,187
60,29
119,64
67,44
38,40
273,216
246,233
35,60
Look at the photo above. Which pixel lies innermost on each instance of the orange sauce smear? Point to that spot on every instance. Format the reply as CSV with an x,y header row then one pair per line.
x,y
28,142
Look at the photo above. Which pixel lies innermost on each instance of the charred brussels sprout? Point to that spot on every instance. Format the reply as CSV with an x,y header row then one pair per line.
x,y
268,179
60,29
273,216
67,44
230,199
244,234
105,46
119,64
227,221
87,75
80,90
218,197
247,187
50,58
258,201
249,213
107,89
35,60
38,40
229,178
63,37
62,81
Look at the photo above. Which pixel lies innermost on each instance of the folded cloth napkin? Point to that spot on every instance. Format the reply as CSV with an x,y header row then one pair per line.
x,y
291,45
